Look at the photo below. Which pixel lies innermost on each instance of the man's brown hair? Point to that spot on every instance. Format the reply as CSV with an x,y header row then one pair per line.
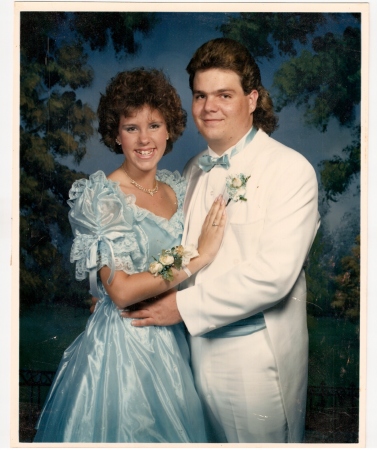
x,y
228,54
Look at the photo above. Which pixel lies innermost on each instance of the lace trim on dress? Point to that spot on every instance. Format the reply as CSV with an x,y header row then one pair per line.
x,y
174,225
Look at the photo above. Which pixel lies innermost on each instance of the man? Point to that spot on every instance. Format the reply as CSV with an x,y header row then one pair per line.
x,y
246,311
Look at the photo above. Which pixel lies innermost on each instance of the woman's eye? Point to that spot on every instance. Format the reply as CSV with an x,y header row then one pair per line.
x,y
130,129
155,126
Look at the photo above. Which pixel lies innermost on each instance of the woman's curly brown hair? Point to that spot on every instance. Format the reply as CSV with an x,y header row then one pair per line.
x,y
128,92
228,54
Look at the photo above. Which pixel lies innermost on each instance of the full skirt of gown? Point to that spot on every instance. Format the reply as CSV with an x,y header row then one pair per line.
x,y
118,383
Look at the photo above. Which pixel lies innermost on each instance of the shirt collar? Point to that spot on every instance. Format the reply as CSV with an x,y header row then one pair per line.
x,y
240,143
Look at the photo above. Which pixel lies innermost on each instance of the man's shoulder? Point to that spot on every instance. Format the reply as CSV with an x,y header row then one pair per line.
x,y
280,153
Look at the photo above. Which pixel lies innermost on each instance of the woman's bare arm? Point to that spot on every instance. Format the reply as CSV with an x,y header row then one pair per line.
x,y
125,290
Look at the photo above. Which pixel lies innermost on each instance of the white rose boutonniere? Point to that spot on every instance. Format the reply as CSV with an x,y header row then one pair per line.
x,y
177,257
236,187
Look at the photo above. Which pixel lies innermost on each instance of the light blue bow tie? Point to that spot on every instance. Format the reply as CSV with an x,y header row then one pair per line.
x,y
207,162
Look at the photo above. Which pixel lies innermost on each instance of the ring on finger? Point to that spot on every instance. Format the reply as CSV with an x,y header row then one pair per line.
x,y
215,224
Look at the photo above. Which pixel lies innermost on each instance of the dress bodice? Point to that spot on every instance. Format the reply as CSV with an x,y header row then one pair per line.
x,y
110,229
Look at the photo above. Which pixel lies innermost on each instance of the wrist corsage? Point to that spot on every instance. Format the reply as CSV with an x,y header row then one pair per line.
x,y
177,257
236,187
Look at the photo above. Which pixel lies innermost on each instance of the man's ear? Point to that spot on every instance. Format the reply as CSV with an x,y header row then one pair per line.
x,y
253,98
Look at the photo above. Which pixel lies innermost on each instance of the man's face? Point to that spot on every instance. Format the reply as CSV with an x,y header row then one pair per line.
x,y
221,110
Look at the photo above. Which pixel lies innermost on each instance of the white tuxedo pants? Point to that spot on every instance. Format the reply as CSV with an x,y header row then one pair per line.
x,y
238,383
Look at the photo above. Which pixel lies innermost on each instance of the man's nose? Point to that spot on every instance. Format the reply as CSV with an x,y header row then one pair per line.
x,y
210,104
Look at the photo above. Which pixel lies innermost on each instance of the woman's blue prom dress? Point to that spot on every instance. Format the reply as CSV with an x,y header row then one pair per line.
x,y
118,383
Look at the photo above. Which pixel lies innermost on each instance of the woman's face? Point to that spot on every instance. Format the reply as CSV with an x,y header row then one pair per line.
x,y
143,139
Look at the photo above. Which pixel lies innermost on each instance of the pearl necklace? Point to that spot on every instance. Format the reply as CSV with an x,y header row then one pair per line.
x,y
141,188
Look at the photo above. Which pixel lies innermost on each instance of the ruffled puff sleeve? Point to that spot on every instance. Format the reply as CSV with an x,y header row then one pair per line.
x,y
103,230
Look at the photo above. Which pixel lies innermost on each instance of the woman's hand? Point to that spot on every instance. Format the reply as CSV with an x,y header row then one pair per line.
x,y
212,231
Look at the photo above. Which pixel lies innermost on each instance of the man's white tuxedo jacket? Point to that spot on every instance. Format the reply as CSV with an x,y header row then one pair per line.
x,y
259,266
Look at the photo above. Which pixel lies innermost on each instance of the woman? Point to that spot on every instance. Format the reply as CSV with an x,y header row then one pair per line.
x,y
116,382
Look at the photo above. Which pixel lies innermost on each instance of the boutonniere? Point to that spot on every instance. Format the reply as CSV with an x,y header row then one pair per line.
x,y
236,187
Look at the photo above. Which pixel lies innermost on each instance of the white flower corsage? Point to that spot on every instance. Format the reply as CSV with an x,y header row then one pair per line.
x,y
177,257
236,187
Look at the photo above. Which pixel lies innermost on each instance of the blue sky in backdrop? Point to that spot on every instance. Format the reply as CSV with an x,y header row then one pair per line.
x,y
169,47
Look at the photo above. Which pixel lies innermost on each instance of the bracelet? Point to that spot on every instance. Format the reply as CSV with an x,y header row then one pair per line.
x,y
187,270
177,257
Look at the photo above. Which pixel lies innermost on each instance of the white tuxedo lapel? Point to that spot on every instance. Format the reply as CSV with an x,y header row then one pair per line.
x,y
194,182
245,162
241,162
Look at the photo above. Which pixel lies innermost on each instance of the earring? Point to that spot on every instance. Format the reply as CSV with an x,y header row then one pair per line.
x,y
117,142
168,137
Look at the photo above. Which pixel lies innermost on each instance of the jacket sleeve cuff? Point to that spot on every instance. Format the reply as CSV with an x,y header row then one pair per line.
x,y
193,315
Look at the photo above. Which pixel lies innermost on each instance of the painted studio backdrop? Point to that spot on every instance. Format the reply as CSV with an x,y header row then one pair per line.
x,y
309,62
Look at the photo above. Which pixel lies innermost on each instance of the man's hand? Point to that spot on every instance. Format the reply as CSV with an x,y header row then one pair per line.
x,y
161,312
93,303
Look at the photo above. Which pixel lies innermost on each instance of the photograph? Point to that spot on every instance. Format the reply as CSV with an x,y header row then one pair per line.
x,y
189,234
